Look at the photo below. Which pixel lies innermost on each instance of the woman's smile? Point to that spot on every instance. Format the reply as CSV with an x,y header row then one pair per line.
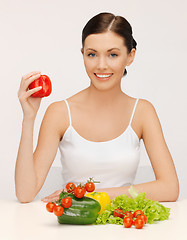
x,y
103,76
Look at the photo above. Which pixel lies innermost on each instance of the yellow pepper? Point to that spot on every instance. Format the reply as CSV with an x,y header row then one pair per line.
x,y
102,197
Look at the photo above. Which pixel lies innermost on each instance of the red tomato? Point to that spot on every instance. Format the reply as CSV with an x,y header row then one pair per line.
x,y
90,186
66,202
43,81
79,192
50,206
138,223
138,212
129,214
127,222
143,217
118,213
70,187
58,210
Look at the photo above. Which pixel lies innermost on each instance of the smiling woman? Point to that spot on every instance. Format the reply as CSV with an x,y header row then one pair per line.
x,y
98,130
107,22
104,63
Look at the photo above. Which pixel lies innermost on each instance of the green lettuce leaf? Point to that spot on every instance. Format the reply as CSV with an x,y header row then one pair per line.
x,y
154,210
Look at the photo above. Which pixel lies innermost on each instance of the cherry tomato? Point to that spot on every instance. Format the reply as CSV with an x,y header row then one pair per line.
x,y
43,81
129,214
138,223
138,212
127,222
79,192
66,202
50,206
58,210
118,213
90,186
143,217
70,187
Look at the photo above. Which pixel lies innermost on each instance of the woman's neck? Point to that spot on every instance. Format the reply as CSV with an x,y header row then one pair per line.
x,y
99,98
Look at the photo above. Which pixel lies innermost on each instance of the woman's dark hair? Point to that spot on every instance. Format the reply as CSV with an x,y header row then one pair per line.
x,y
104,22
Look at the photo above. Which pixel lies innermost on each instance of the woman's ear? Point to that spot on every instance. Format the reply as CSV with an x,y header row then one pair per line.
x,y
82,50
131,56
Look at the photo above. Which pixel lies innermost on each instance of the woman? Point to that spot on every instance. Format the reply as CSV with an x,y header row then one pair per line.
x,y
98,130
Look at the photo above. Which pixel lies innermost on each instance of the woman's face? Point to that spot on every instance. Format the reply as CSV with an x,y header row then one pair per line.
x,y
105,58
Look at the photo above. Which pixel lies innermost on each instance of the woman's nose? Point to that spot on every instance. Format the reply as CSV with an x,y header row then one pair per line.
x,y
102,64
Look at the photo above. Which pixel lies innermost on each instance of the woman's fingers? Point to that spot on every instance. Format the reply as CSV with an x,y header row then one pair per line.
x,y
53,197
31,91
30,74
25,82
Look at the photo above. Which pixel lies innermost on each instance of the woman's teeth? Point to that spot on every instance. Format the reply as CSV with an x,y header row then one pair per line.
x,y
103,75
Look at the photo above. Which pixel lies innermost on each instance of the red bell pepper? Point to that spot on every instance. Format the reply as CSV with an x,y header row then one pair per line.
x,y
43,81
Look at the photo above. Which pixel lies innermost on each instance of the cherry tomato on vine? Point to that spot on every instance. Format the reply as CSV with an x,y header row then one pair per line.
x,y
50,206
70,187
79,192
138,223
58,210
129,214
90,186
143,217
66,202
138,212
127,222
118,213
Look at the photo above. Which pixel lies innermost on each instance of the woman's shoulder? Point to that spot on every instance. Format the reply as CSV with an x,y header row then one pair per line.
x,y
145,106
57,107
147,113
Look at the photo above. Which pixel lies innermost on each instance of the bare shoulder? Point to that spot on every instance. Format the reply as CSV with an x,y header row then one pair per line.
x,y
145,115
145,105
146,109
58,114
149,118
56,109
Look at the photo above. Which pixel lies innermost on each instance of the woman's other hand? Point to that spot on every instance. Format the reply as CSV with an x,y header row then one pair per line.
x,y
54,196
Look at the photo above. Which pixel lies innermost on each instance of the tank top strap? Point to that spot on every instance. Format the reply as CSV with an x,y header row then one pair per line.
x,y
133,111
69,113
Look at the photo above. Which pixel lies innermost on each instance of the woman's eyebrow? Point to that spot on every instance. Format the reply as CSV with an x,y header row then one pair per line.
x,y
107,50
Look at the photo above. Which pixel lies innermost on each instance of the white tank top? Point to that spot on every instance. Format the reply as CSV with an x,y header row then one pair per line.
x,y
114,163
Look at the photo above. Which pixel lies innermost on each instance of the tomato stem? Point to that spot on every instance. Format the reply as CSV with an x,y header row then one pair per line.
x,y
92,180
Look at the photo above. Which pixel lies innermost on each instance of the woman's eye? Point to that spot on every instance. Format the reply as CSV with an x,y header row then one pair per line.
x,y
113,54
91,54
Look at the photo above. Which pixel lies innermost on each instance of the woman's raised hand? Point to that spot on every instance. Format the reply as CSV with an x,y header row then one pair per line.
x,y
30,105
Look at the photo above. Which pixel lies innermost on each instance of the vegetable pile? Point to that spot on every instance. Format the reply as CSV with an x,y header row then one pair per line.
x,y
123,206
77,207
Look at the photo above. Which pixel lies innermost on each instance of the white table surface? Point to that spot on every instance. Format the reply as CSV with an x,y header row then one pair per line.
x,y
32,221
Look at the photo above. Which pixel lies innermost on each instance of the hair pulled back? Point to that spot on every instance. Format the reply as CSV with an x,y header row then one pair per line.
x,y
104,22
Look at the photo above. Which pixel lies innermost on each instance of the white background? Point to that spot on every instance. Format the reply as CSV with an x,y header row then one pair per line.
x,y
45,35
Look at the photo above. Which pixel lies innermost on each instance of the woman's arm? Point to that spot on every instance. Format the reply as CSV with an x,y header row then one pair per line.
x,y
32,168
166,185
